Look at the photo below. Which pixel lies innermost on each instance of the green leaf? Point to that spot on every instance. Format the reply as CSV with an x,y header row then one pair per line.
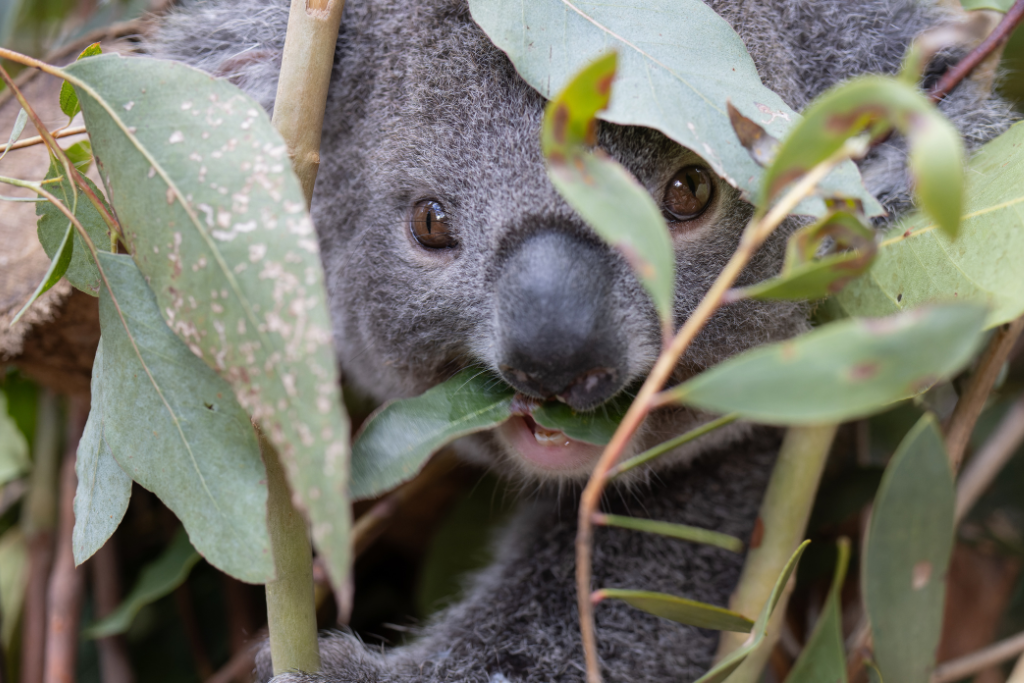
x,y
16,131
68,98
158,578
596,426
691,612
174,427
80,156
671,444
53,225
397,439
13,583
907,553
216,220
875,105
823,659
805,277
731,662
678,86
608,198
101,498
682,531
874,675
13,446
843,370
58,266
998,5
917,264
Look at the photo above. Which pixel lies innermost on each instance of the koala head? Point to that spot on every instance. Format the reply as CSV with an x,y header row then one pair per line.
x,y
447,247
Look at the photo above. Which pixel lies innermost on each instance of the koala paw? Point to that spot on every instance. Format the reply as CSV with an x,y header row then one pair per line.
x,y
344,659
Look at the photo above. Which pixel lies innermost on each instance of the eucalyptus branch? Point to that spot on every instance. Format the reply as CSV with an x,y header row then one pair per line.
x,y
964,667
781,524
757,231
961,423
38,139
996,452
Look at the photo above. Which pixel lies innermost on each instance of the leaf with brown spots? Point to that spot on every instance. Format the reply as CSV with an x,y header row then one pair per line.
x,y
216,220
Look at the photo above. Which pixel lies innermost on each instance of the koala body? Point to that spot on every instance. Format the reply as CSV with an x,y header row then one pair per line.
x,y
445,247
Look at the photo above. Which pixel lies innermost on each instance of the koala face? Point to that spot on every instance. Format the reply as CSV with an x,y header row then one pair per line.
x,y
446,246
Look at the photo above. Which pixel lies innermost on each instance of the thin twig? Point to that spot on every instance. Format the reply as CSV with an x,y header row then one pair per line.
x,y
240,664
38,139
115,666
759,229
961,423
67,582
966,65
1017,675
996,452
963,667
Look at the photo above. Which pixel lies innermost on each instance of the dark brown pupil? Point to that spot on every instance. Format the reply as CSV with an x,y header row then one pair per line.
x,y
688,194
429,225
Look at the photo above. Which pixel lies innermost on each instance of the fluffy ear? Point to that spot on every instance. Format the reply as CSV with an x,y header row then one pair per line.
x,y
240,40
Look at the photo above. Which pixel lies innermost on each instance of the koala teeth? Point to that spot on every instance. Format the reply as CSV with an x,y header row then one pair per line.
x,y
550,437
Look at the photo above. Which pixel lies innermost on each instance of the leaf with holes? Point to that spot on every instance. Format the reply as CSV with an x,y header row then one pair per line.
x,y
679,63
174,427
216,220
681,610
608,198
842,370
721,671
396,440
906,555
917,264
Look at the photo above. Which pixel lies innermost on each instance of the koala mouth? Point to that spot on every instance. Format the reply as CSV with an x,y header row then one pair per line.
x,y
547,451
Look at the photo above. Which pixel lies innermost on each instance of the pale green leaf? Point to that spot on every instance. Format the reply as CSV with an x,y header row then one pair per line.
x,y
174,427
682,610
997,5
16,131
216,220
13,583
101,498
684,532
396,440
13,446
843,370
61,259
679,63
917,264
823,659
732,661
906,555
158,578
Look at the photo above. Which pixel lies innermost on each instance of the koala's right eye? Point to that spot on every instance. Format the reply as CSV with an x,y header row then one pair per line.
x,y
429,225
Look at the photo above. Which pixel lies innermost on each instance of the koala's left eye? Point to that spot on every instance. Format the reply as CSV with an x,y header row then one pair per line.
x,y
429,225
688,194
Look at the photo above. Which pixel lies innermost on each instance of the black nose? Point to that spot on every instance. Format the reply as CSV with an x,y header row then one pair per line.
x,y
556,331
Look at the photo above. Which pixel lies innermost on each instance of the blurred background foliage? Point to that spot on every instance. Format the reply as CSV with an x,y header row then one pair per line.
x,y
417,564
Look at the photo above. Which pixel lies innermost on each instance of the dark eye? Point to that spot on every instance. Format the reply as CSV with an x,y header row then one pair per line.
x,y
688,194
430,227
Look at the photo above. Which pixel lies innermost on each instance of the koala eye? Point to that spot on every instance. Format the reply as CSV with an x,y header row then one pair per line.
x,y
430,227
688,194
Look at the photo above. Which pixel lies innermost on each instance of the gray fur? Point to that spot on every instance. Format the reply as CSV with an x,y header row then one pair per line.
x,y
422,105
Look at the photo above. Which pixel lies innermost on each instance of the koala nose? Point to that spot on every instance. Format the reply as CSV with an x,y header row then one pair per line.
x,y
555,321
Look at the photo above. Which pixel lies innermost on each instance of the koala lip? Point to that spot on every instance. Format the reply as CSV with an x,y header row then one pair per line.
x,y
547,451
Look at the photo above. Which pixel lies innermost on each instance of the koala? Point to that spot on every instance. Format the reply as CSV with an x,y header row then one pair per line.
x,y
446,247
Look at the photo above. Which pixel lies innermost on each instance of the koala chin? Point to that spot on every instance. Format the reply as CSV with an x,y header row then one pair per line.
x,y
446,247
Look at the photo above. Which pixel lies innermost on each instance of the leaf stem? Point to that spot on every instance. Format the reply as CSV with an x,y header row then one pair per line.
x,y
759,229
291,611
783,518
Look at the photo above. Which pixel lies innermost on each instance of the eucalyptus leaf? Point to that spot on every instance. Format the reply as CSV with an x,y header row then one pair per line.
x,y
906,555
732,661
14,460
876,105
13,583
68,98
608,198
61,259
174,427
678,86
53,225
683,532
16,131
217,222
101,498
918,264
596,426
397,439
823,659
843,370
158,578
681,610
998,5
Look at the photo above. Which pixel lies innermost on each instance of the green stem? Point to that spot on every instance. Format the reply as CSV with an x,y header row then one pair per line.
x,y
291,610
784,514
